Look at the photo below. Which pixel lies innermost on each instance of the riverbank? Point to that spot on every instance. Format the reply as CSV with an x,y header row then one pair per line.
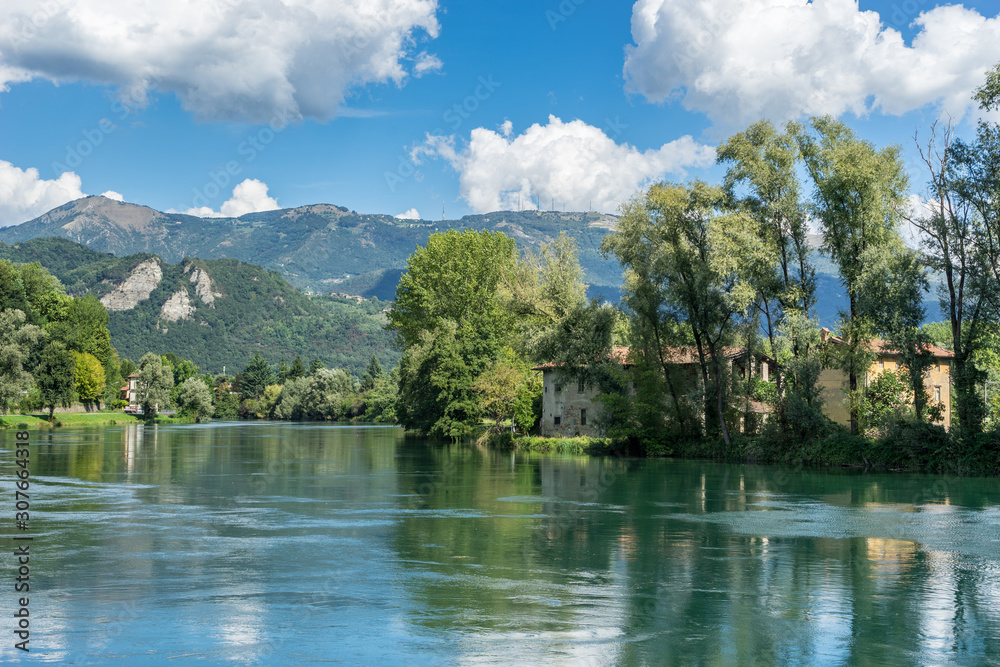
x,y
41,421
905,448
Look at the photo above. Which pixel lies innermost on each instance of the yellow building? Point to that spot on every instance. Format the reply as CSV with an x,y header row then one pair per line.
x,y
833,382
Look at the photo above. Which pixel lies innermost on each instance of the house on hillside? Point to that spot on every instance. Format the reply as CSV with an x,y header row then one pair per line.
x,y
937,380
570,408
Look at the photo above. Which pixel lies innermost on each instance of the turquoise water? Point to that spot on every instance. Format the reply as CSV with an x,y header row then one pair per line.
x,y
270,543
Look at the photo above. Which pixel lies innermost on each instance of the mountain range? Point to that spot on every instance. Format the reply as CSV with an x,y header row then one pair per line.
x,y
329,249
320,248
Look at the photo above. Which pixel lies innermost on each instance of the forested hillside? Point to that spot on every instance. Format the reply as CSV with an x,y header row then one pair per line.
x,y
215,312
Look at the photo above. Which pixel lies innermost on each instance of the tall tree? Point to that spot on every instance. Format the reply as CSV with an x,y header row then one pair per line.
x,y
89,379
155,382
671,237
858,198
55,376
255,378
451,321
195,399
762,181
372,374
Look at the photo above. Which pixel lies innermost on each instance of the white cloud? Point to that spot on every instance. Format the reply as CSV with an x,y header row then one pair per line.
x,y
409,215
573,166
252,60
250,196
24,196
740,61
426,63
111,194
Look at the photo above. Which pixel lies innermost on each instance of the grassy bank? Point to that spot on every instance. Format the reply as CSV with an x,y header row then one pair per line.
x,y
905,447
69,419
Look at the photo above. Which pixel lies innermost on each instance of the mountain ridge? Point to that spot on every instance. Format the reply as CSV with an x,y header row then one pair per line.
x,y
318,247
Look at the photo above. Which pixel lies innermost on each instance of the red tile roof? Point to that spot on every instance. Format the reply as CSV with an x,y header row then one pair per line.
x,y
685,354
883,347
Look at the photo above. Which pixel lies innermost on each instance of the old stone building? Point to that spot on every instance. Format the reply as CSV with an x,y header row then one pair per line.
x,y
570,408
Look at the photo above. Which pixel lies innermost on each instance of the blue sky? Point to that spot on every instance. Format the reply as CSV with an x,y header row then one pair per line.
x,y
392,106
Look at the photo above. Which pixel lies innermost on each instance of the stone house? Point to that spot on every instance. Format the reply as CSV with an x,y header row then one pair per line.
x,y
832,381
570,408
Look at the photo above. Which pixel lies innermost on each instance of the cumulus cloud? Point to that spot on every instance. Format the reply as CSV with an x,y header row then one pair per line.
x,y
780,59
409,215
250,196
573,166
24,196
248,60
111,194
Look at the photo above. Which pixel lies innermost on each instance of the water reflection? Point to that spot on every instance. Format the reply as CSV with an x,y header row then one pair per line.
x,y
275,543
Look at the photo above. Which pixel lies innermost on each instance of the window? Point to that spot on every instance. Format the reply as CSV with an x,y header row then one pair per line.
x,y
937,394
881,364
581,386
557,420
558,388
583,417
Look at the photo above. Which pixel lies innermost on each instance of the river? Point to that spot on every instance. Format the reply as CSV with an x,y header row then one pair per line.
x,y
277,543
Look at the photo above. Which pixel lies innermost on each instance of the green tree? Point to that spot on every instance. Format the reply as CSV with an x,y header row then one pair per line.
x,y
255,377
85,328
195,399
155,382
297,370
674,241
435,385
17,341
893,284
372,375
503,388
451,321
89,379
55,376
858,198
328,394
762,181
380,401
955,240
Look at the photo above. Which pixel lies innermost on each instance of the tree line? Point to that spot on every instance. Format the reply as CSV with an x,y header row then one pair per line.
x,y
711,266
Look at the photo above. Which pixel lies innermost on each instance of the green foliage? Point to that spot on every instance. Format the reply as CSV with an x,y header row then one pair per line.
x,y
55,376
155,383
194,399
859,195
451,320
381,399
89,378
676,243
258,311
255,378
372,375
227,407
17,342
508,391
887,397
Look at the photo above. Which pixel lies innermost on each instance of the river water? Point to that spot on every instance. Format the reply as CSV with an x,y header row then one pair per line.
x,y
267,543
